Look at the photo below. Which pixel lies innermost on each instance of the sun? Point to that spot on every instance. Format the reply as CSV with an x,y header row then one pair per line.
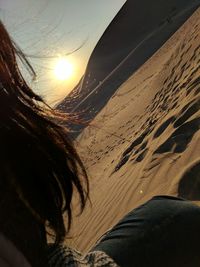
x,y
63,69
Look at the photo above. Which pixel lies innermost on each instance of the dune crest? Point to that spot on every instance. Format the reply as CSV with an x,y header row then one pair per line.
x,y
146,140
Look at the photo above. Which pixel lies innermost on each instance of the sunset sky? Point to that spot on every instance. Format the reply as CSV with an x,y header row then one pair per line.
x,y
48,31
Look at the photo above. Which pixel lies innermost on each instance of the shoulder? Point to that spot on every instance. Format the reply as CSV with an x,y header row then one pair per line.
x,y
62,256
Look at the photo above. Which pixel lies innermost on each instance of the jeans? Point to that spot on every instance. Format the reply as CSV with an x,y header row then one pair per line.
x,y
163,232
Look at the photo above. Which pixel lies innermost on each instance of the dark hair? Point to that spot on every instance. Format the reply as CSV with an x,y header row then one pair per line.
x,y
38,158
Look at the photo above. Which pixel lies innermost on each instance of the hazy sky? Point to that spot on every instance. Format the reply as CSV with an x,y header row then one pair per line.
x,y
48,29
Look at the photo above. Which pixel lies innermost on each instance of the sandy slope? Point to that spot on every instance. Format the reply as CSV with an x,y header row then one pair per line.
x,y
146,141
112,61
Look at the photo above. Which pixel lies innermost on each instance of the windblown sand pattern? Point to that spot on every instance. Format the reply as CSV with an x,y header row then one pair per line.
x,y
146,141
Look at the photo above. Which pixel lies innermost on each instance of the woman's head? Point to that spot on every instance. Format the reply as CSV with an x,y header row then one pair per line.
x,y
38,160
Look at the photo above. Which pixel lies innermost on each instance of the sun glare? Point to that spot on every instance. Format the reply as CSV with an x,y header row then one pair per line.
x,y
63,69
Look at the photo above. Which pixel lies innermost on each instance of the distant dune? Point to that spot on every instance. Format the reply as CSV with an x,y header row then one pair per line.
x,y
138,30
146,140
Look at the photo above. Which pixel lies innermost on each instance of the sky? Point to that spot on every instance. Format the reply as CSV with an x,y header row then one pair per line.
x,y
48,30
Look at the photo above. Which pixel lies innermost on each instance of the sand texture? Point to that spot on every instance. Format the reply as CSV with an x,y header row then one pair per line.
x,y
146,140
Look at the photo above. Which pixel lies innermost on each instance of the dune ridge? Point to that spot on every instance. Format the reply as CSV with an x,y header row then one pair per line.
x,y
135,34
146,140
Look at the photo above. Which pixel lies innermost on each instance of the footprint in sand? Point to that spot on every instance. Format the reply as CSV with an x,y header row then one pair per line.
x,y
127,153
180,138
189,185
141,155
164,126
195,83
121,163
194,108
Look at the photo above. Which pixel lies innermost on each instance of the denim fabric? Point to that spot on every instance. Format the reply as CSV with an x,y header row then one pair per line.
x,y
163,232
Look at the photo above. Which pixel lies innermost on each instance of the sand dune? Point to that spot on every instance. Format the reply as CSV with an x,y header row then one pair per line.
x,y
146,140
139,29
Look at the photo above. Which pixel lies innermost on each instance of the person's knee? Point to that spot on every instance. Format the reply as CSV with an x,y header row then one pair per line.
x,y
175,213
175,234
167,197
176,204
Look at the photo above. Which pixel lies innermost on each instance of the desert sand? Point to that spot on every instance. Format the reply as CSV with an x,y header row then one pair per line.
x,y
135,34
146,140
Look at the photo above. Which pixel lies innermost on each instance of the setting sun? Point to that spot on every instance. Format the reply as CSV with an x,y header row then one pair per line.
x,y
63,69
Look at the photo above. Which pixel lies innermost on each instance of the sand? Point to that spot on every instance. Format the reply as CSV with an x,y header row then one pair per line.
x,y
146,140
